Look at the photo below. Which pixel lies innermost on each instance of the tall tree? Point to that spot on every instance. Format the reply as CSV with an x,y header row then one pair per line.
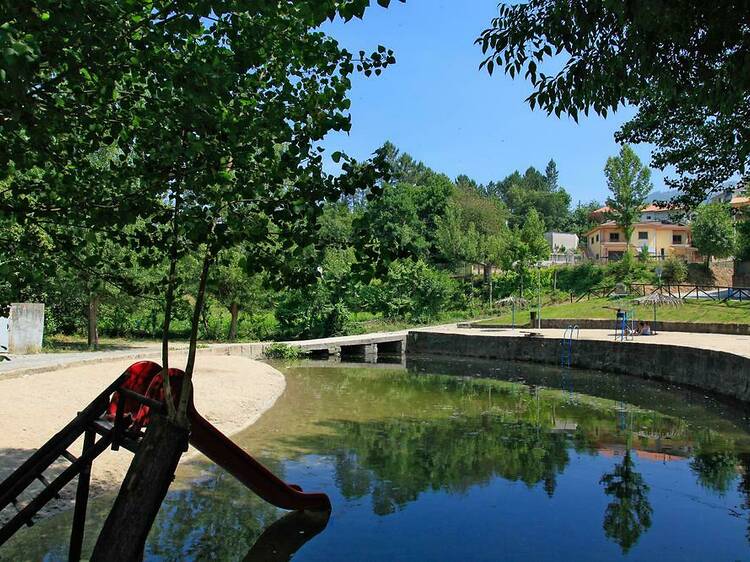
x,y
552,175
683,64
533,190
582,219
532,234
213,114
630,183
401,222
234,288
713,231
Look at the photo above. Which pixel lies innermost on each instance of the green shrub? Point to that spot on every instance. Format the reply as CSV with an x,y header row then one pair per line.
x,y
674,270
629,270
312,313
508,283
579,279
257,326
282,351
412,290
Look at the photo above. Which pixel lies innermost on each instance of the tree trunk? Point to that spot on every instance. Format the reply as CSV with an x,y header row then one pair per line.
x,y
125,530
93,317
234,310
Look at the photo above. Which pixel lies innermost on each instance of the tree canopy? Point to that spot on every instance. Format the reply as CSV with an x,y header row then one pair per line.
x,y
683,64
713,231
629,181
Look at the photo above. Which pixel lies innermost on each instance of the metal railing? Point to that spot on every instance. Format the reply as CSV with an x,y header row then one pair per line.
x,y
566,345
719,293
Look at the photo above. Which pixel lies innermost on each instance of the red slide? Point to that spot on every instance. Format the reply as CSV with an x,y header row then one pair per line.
x,y
220,449
145,378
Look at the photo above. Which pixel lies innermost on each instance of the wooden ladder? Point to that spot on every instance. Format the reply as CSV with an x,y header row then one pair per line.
x,y
89,423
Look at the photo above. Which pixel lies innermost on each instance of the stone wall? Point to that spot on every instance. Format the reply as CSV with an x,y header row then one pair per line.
x,y
598,324
721,373
26,328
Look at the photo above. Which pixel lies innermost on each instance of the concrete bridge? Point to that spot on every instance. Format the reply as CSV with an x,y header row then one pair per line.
x,y
365,345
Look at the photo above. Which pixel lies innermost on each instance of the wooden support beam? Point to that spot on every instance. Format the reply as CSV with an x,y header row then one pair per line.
x,y
10,528
82,500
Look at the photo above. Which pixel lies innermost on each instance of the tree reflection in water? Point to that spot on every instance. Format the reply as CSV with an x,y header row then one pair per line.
x,y
628,515
744,487
395,460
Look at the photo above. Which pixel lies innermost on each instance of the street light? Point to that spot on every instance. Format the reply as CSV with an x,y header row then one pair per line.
x,y
539,295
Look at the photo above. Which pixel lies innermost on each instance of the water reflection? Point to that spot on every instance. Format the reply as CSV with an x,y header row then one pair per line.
x,y
416,460
281,541
628,515
394,461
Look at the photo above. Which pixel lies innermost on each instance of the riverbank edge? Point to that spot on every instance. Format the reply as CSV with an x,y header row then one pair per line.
x,y
718,372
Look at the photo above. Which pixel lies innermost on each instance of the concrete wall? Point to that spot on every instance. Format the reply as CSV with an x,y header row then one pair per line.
x,y
722,373
26,327
564,240
596,324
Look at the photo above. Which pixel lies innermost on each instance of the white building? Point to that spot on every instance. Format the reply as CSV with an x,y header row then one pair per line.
x,y
560,242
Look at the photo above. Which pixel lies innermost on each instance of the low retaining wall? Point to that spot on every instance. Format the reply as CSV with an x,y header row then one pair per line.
x,y
599,324
719,372
26,327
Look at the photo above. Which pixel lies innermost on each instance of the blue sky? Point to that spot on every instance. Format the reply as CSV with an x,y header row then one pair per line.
x,y
436,105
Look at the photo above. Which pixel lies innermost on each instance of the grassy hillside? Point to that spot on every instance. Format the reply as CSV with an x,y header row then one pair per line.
x,y
692,311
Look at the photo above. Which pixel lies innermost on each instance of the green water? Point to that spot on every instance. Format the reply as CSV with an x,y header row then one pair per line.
x,y
455,460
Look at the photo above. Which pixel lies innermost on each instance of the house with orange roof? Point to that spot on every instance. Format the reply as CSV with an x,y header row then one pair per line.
x,y
657,231
606,241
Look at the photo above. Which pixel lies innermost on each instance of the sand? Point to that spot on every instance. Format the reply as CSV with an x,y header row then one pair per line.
x,y
231,392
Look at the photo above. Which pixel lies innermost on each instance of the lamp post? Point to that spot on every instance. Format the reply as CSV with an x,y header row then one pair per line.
x,y
539,295
514,265
659,270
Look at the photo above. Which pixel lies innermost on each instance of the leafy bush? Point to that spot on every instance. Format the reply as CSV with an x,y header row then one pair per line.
x,y
579,279
508,283
312,313
259,326
629,270
412,290
282,351
674,270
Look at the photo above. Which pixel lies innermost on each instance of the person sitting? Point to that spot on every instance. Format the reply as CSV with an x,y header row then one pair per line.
x,y
646,330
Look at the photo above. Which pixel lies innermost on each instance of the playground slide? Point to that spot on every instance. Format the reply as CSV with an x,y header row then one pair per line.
x,y
221,450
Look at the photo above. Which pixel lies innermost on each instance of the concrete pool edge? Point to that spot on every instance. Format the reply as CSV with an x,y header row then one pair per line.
x,y
719,372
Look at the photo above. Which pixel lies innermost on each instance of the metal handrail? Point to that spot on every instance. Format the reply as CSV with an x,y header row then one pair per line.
x,y
568,338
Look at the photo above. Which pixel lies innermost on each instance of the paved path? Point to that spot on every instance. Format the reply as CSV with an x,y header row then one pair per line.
x,y
43,362
739,345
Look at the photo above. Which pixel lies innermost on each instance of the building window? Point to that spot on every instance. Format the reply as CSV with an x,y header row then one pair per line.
x,y
614,236
592,239
648,217
597,256
597,238
642,235
677,239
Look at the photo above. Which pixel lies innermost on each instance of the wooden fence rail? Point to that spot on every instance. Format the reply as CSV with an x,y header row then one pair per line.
x,y
720,293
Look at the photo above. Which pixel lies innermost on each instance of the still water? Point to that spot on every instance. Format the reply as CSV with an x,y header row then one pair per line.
x,y
456,460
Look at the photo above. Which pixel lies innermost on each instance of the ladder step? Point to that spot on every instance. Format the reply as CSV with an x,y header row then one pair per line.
x,y
30,522
45,482
69,456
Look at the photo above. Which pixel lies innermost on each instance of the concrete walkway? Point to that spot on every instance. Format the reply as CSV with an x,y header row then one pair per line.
x,y
738,345
44,362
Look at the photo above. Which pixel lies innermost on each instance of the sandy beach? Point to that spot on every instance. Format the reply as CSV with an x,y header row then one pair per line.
x,y
231,392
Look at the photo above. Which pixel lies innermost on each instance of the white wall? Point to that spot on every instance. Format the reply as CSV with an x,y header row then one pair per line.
x,y
26,327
